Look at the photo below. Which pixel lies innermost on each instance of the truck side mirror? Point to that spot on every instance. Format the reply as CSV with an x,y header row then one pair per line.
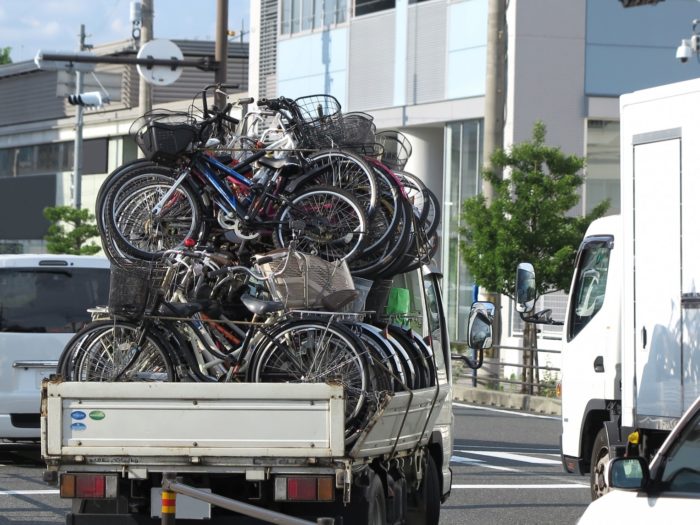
x,y
479,333
479,329
525,291
628,473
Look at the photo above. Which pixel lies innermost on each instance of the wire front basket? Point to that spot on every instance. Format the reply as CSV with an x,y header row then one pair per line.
x,y
135,289
304,281
397,149
163,135
320,121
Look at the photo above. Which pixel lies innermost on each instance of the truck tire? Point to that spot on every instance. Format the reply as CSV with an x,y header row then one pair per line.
x,y
376,502
426,500
600,457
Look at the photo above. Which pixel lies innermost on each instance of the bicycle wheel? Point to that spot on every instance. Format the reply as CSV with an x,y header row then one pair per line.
x,y
334,225
309,351
141,231
345,170
117,351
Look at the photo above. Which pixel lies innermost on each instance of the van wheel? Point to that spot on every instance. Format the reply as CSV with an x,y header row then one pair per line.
x,y
426,500
599,461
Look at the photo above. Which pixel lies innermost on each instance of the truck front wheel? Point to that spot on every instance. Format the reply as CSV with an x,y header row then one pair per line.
x,y
599,460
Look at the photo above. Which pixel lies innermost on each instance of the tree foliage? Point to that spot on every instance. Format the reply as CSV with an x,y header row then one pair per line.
x,y
5,55
70,231
527,219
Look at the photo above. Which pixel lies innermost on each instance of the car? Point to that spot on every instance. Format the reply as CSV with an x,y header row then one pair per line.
x,y
665,490
44,300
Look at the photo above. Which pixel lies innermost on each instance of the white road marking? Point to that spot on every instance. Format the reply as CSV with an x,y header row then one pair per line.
x,y
26,492
523,414
541,486
458,459
513,457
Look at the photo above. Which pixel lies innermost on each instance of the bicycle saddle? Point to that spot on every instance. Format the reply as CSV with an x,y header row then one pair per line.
x,y
258,306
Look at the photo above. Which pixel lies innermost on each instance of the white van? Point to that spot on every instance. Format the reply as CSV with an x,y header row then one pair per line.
x,y
43,302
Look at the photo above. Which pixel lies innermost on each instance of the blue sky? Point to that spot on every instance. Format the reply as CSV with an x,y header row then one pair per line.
x,y
53,25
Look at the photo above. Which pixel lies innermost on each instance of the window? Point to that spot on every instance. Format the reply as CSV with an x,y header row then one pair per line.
x,y
37,300
364,7
682,469
307,15
463,145
591,278
602,165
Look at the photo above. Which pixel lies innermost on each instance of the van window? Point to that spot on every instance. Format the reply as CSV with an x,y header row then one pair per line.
x,y
50,299
589,288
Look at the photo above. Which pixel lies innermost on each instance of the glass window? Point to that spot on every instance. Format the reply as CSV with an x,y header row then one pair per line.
x,y
682,470
286,17
50,300
307,16
589,287
463,145
364,7
602,165
48,158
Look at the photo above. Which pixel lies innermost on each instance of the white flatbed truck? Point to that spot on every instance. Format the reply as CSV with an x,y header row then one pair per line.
x,y
253,452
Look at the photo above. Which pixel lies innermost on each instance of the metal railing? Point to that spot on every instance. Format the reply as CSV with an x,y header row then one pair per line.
x,y
534,379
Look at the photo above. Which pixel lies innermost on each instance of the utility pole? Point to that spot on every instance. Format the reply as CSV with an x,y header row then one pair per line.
x,y
145,90
221,49
78,142
494,109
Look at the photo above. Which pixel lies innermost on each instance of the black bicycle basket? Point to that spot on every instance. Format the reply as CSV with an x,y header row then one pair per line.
x,y
134,289
163,135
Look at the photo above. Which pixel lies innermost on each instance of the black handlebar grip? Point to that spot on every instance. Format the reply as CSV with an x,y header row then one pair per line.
x,y
264,260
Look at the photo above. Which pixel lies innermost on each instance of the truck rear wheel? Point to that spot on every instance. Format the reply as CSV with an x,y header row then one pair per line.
x,y
599,460
425,507
376,502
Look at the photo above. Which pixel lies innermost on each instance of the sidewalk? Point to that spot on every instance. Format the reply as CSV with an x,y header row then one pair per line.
x,y
462,390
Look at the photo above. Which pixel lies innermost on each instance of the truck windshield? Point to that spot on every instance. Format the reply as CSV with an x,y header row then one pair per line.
x,y
50,300
589,288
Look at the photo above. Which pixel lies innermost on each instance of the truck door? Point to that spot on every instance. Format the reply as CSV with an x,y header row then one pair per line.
x,y
657,277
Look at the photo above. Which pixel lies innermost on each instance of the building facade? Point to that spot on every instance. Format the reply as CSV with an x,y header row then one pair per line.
x,y
38,128
419,66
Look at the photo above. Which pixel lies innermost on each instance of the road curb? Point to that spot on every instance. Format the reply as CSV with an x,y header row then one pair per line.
x,y
480,396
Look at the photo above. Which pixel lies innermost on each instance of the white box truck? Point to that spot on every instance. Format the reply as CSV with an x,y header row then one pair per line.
x,y
630,355
270,451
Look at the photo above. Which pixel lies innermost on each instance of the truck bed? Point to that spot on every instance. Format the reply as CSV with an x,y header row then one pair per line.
x,y
157,426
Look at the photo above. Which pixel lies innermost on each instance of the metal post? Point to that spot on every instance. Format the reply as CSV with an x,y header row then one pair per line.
x,y
494,104
78,142
145,91
221,49
167,501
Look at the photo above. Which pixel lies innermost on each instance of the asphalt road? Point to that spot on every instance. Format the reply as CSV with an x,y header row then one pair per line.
x,y
506,471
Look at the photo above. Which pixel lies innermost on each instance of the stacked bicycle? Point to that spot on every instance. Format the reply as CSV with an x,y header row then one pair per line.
x,y
238,249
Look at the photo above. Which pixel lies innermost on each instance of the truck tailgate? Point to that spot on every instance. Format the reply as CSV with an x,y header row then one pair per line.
x,y
192,419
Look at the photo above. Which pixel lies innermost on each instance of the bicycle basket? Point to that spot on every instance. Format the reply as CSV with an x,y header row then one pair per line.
x,y
321,124
302,281
397,148
134,289
162,135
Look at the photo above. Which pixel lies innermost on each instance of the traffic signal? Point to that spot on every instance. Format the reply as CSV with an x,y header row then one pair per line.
x,y
91,99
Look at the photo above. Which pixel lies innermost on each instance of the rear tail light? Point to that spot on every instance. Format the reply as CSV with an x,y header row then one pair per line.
x,y
88,486
305,488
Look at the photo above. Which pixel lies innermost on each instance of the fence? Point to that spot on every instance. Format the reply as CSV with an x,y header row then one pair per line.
x,y
534,378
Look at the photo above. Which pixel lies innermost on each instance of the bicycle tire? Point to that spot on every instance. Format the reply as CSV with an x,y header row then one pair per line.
x,y
335,225
383,353
347,171
107,351
136,231
416,192
389,211
314,351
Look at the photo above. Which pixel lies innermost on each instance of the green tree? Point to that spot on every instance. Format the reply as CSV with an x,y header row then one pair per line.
x,y
5,55
70,231
529,219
